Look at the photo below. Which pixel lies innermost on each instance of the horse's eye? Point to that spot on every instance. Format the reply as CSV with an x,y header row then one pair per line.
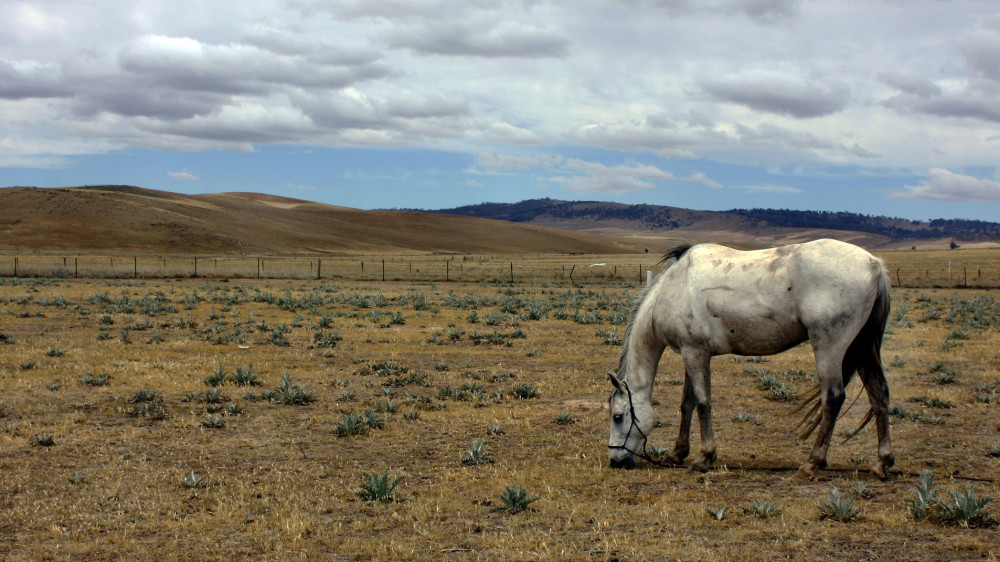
x,y
618,418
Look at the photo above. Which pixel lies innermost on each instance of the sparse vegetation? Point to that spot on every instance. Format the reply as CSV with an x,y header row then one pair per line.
x,y
379,488
515,499
419,409
838,507
476,453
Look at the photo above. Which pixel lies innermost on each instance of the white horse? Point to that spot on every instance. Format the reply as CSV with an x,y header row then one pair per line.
x,y
712,300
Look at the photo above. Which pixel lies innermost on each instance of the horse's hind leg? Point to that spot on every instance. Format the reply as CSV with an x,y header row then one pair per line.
x,y
683,445
878,396
828,369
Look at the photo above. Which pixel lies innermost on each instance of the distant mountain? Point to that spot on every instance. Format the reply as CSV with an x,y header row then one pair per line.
x,y
896,228
760,226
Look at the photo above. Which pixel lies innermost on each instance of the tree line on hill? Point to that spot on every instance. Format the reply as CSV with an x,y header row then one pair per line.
x,y
661,217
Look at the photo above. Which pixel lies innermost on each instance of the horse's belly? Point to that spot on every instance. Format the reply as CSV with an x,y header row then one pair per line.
x,y
762,335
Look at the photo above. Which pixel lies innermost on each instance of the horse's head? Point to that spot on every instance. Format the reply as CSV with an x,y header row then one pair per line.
x,y
631,421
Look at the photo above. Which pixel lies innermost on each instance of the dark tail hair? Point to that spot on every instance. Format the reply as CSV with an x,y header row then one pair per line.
x,y
863,356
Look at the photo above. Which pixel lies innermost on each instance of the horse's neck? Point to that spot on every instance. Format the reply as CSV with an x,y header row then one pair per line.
x,y
642,350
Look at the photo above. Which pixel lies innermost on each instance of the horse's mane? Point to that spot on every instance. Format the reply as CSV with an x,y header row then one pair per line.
x,y
670,258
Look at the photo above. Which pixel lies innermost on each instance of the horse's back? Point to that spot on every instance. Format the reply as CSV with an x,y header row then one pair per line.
x,y
765,301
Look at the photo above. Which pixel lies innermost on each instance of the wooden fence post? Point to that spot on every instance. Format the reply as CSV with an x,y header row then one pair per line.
x,y
383,269
319,268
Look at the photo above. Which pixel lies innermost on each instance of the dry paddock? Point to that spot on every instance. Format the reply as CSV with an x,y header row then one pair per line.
x,y
88,472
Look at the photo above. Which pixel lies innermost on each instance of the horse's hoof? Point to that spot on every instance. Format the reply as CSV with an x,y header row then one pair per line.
x,y
675,459
880,471
702,464
805,472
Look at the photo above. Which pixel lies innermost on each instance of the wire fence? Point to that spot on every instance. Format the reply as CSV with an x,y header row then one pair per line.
x,y
466,268
906,269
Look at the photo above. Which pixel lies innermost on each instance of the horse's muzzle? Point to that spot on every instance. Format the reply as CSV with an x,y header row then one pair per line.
x,y
626,463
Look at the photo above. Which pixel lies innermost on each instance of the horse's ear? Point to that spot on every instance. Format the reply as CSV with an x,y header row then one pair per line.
x,y
616,382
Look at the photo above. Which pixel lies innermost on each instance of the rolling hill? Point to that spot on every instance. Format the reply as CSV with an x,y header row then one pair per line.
x,y
126,219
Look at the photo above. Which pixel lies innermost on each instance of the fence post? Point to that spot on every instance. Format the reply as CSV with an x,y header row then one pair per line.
x,y
15,266
196,266
511,273
76,267
258,268
447,271
135,267
383,269
319,268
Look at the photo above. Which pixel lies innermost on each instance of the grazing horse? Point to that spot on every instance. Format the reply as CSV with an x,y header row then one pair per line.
x,y
713,300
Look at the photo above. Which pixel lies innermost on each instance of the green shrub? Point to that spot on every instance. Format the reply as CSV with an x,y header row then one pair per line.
x,y
717,513
243,376
525,391
351,424
214,421
476,454
965,509
564,418
42,440
838,507
515,499
378,487
217,377
193,481
99,379
762,509
291,394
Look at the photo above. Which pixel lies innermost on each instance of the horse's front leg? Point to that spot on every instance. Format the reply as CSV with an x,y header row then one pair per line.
x,y
683,445
699,377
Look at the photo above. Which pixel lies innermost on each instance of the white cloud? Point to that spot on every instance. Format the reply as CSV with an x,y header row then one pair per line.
x,y
700,177
944,185
780,94
769,189
185,176
587,176
769,83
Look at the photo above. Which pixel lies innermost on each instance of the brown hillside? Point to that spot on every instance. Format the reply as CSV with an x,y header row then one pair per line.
x,y
130,219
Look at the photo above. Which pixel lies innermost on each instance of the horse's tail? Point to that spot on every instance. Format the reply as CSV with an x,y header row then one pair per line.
x,y
863,356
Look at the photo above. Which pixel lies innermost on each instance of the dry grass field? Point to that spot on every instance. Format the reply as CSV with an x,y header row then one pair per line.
x,y
218,419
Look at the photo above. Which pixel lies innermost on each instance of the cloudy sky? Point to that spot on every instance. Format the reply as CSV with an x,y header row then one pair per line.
x,y
876,106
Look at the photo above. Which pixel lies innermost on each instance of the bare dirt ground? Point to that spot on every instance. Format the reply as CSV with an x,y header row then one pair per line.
x,y
90,468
